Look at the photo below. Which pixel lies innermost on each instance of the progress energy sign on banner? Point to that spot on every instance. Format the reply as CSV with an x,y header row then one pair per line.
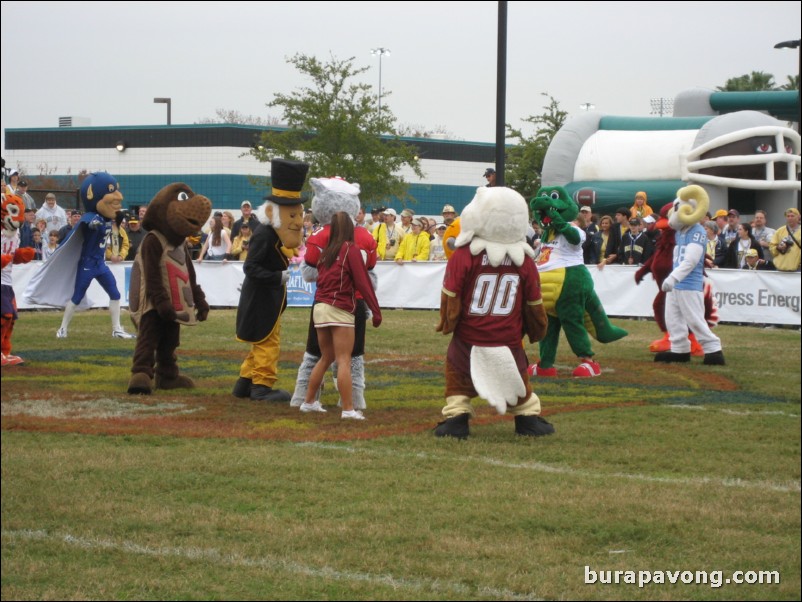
x,y
754,297
759,297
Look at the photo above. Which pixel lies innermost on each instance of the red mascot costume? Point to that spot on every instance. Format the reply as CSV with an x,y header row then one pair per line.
x,y
13,216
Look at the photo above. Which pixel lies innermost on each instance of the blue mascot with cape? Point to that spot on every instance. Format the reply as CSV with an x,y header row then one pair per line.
x,y
81,258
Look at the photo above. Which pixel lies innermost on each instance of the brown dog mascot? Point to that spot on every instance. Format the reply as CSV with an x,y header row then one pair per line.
x,y
164,291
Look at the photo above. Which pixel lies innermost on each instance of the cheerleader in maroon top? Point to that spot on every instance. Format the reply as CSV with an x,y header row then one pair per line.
x,y
341,273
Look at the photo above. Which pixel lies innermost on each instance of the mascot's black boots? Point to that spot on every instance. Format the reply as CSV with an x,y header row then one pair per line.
x,y
670,356
714,359
532,426
456,426
242,388
265,393
176,382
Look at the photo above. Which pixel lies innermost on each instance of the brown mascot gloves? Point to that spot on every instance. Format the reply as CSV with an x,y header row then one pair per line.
x,y
449,313
166,310
201,310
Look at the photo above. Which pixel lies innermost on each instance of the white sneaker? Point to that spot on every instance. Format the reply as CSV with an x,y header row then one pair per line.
x,y
311,407
119,334
61,333
352,415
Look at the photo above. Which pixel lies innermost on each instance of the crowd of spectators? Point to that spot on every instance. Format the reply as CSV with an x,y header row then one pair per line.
x,y
626,237
629,235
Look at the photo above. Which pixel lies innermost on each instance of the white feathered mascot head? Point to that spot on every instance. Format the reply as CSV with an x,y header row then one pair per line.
x,y
496,221
333,195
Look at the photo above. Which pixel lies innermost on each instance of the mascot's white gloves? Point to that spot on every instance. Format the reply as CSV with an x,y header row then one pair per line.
x,y
693,255
308,273
374,280
285,277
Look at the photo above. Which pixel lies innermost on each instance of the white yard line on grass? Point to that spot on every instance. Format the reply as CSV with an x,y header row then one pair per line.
x,y
269,563
790,486
683,406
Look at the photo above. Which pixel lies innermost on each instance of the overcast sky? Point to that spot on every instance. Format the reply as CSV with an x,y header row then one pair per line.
x,y
107,61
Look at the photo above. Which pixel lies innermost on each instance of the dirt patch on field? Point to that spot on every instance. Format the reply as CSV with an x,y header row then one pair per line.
x,y
404,397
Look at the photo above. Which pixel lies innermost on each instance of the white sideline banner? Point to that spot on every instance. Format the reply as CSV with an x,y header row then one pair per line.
x,y
758,297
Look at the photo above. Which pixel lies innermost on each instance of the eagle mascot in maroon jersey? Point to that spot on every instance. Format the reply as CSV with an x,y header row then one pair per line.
x,y
490,300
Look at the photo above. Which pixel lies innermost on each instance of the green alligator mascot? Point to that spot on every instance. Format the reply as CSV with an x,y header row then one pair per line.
x,y
567,287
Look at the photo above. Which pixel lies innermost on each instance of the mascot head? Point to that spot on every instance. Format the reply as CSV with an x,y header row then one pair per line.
x,y
496,221
283,208
689,207
553,203
333,195
177,212
100,193
13,213
662,222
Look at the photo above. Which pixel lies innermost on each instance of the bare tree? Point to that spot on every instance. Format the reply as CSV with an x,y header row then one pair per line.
x,y
236,117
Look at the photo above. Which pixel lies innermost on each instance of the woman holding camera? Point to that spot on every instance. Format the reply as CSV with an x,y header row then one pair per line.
x,y
239,248
388,236
117,244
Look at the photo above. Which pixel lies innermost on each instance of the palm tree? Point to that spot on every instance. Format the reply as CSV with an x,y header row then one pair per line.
x,y
750,82
792,83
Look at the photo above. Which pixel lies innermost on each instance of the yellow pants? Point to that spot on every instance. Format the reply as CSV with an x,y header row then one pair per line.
x,y
461,404
261,365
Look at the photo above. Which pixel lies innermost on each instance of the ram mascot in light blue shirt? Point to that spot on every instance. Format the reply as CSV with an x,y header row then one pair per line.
x,y
684,286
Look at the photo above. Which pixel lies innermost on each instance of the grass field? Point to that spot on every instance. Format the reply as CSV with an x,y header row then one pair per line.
x,y
198,495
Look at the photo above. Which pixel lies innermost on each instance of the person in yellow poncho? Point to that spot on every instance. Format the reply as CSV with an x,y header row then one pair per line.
x,y
415,245
388,236
641,207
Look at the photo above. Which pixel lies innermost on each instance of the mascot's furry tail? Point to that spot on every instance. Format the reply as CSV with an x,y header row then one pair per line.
x,y
598,324
495,377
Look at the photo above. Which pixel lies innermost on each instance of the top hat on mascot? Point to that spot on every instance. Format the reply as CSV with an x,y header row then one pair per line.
x,y
287,180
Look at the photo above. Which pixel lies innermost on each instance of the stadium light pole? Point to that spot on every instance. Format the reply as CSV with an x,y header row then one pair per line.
x,y
795,44
501,94
169,103
661,106
380,52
